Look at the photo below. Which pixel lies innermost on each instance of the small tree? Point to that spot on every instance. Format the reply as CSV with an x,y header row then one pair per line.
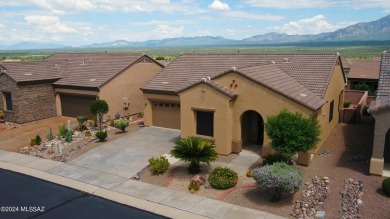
x,y
194,150
99,108
291,132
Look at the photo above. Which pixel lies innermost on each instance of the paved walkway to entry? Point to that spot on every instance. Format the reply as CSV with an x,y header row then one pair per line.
x,y
106,172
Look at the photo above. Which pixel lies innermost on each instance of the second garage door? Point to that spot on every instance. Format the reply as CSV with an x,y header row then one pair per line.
x,y
166,115
74,106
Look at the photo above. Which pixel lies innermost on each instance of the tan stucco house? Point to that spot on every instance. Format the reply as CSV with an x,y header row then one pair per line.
x,y
380,110
227,97
65,84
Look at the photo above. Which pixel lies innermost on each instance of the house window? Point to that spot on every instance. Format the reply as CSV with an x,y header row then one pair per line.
x,y
8,101
205,123
331,111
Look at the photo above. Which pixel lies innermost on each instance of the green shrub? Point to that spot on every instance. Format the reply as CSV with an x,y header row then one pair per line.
x,y
194,150
62,130
82,120
69,137
386,186
33,142
346,104
121,124
292,132
194,186
249,173
101,135
273,158
99,108
365,111
279,180
112,123
50,135
88,133
38,140
158,165
160,58
223,178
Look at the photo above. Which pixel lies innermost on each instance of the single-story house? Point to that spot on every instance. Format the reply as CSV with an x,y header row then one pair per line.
x,y
380,110
364,72
227,97
65,84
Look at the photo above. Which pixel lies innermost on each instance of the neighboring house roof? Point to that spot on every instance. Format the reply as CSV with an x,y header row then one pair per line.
x,y
93,70
379,105
347,63
364,70
88,70
384,78
310,71
30,72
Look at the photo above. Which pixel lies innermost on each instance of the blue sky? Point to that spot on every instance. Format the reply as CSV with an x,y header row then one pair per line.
x,y
81,22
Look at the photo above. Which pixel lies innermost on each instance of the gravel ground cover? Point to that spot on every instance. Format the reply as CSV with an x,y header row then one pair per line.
x,y
337,182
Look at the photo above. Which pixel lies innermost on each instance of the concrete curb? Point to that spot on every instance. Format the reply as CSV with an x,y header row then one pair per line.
x,y
103,193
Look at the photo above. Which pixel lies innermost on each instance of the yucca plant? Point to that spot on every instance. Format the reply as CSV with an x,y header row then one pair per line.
x,y
194,150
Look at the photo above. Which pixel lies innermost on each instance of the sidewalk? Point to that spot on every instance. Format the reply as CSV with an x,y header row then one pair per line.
x,y
121,189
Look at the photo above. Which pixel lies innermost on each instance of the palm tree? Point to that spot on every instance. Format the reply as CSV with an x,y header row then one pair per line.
x,y
194,150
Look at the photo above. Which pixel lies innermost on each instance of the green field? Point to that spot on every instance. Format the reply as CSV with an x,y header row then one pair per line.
x,y
346,51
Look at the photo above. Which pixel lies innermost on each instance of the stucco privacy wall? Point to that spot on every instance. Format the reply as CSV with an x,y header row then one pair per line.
x,y
205,98
126,86
147,101
30,102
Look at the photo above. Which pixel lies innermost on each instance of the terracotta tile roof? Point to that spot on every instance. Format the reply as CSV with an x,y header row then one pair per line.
x,y
91,69
364,70
347,63
272,77
32,71
311,71
228,92
384,78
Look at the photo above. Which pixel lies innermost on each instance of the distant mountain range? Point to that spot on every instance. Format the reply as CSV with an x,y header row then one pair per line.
x,y
378,30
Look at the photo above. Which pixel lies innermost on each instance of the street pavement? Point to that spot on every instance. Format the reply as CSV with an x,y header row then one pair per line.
x,y
28,197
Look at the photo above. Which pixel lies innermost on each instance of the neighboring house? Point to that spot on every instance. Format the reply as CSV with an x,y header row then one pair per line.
x,y
364,72
26,91
380,110
227,97
72,81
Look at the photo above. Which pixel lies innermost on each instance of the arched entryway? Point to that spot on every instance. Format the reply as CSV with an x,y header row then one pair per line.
x,y
252,128
386,151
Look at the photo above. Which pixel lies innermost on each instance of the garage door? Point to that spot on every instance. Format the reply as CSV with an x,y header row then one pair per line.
x,y
166,115
74,106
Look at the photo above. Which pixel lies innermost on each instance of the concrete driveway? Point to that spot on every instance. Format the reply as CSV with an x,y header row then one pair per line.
x,y
129,154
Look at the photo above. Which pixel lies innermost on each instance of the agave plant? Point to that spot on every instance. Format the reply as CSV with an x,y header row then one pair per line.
x,y
194,150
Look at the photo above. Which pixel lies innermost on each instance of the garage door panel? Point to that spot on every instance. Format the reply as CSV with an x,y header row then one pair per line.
x,y
74,106
166,115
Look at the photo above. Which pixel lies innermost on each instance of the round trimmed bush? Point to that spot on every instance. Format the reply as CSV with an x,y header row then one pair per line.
x,y
386,186
223,178
279,180
101,135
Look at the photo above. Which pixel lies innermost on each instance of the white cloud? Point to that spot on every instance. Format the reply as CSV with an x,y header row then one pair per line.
x,y
218,5
165,31
313,25
50,24
288,4
159,22
252,16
